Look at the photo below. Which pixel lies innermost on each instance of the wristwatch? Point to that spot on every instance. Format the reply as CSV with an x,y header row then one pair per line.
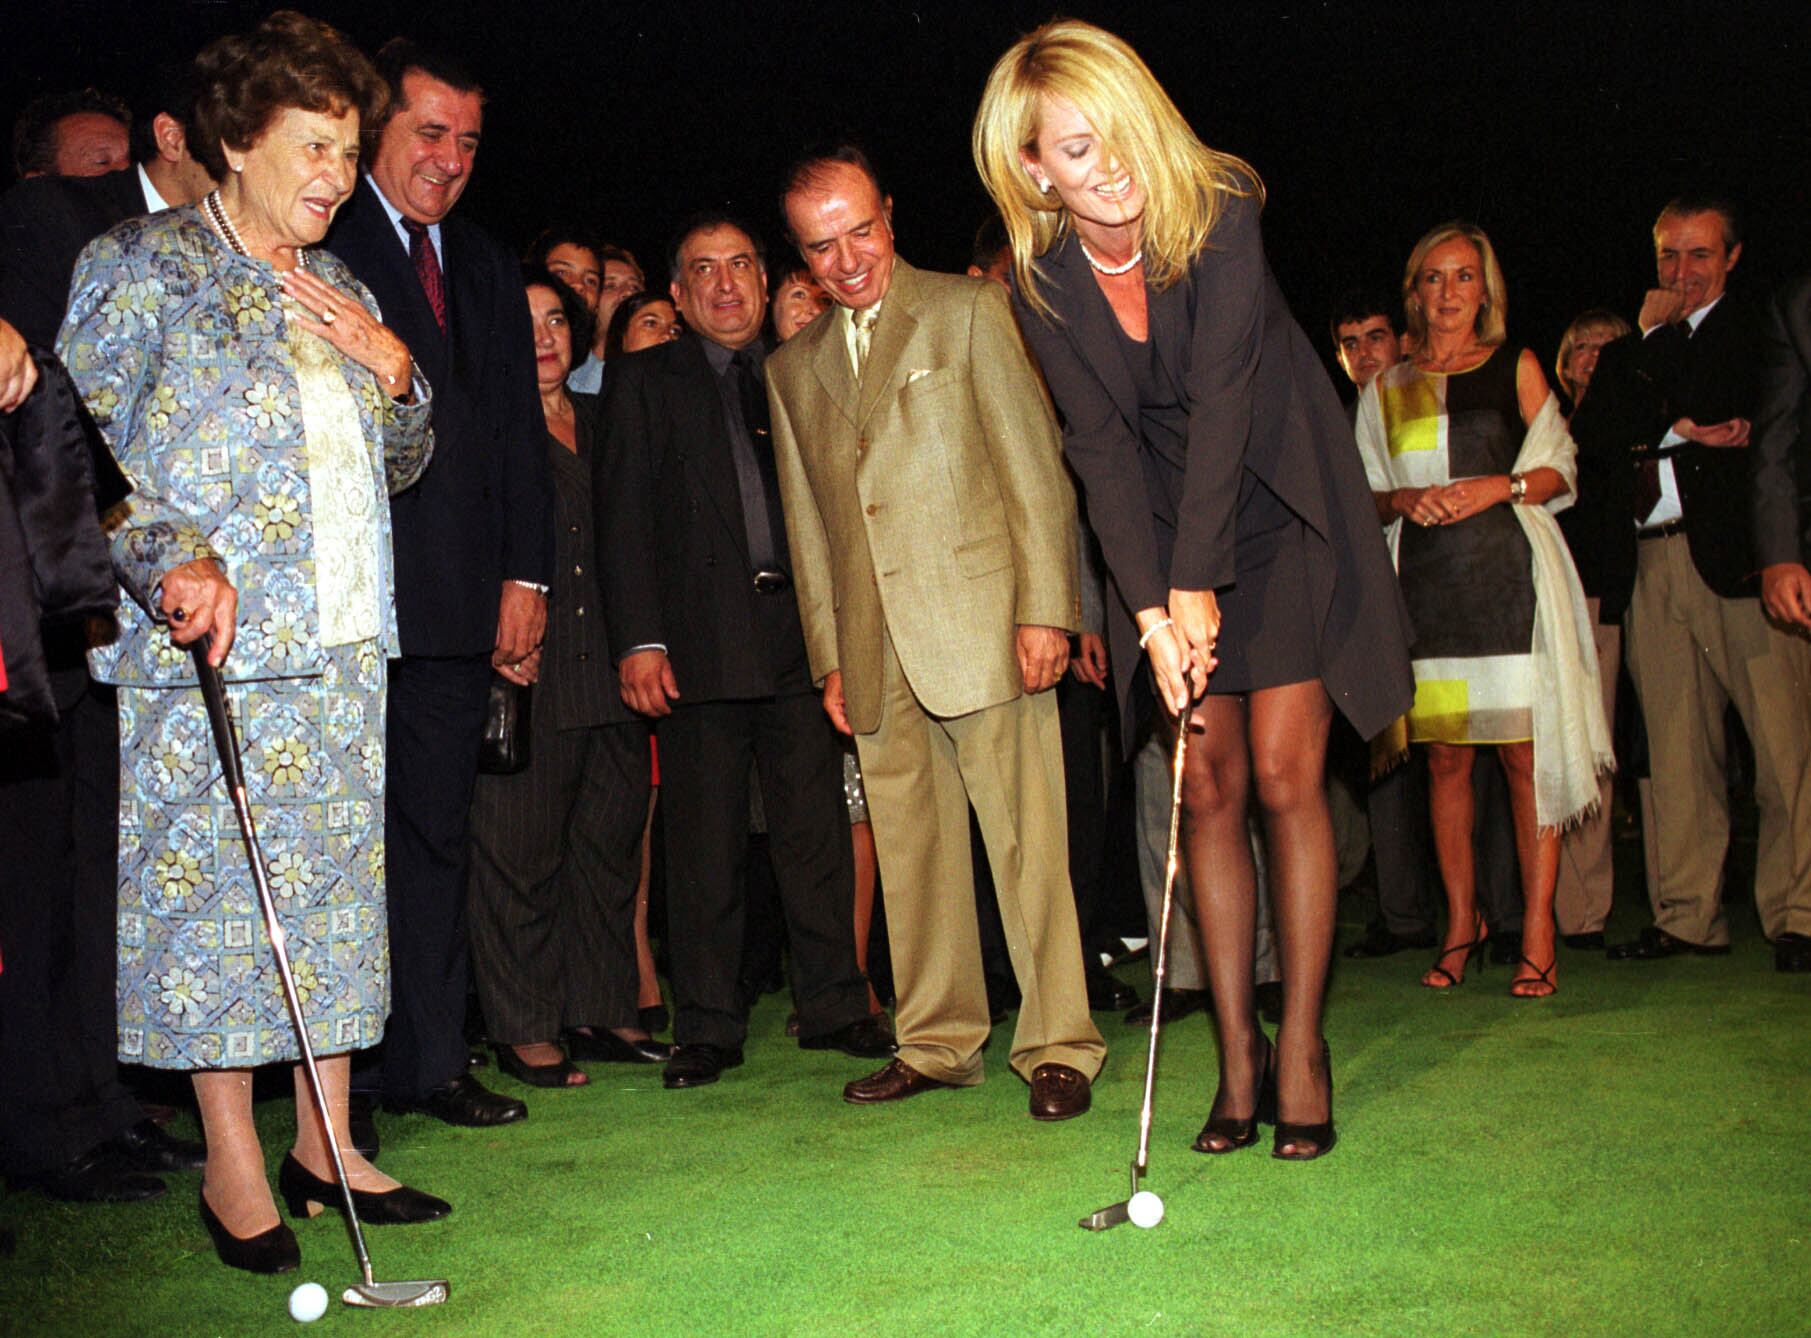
x,y
1518,488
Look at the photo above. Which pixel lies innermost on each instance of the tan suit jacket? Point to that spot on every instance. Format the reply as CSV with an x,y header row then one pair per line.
x,y
930,503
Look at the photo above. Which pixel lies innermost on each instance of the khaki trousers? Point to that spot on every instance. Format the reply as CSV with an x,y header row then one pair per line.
x,y
1690,654
921,773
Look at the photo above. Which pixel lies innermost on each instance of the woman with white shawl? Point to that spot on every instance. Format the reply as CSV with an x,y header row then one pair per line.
x,y
1468,458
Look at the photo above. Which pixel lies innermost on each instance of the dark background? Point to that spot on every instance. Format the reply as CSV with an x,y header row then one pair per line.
x,y
1561,129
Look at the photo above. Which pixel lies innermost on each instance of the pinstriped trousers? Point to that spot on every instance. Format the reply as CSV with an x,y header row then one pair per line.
x,y
556,853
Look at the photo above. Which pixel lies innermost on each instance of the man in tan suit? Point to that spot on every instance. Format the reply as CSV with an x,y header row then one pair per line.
x,y
931,528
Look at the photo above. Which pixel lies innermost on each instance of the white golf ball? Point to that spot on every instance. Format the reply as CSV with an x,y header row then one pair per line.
x,y
1145,1209
308,1302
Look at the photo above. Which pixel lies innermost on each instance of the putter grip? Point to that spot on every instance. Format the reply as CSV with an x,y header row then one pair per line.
x,y
213,692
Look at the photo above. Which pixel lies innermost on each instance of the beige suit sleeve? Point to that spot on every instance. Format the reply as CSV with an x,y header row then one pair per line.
x,y
806,541
1019,431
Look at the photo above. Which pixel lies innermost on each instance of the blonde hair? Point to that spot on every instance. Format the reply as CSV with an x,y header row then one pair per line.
x,y
1492,326
1139,126
1597,318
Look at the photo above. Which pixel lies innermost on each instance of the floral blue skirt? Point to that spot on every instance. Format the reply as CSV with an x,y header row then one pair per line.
x,y
198,986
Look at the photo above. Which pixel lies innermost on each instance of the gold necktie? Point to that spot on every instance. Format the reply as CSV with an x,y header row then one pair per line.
x,y
864,319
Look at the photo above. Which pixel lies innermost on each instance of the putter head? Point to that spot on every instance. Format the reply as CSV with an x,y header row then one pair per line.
x,y
1103,1219
395,1295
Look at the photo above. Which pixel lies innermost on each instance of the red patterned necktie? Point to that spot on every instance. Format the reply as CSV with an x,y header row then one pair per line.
x,y
427,268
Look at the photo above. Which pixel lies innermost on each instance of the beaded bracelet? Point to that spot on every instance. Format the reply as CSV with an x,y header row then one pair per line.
x,y
1154,629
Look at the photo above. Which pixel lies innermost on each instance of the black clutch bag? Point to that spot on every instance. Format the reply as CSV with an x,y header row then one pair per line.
x,y
504,751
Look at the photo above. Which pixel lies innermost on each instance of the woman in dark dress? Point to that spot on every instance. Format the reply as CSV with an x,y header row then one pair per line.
x,y
1224,486
556,848
1464,442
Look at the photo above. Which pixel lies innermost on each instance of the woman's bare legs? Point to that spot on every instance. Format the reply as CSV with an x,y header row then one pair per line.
x,y
1539,857
234,1183
1449,806
1287,728
861,835
311,1140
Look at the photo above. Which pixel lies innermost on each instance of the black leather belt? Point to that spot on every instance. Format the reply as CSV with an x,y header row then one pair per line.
x,y
771,582
1664,530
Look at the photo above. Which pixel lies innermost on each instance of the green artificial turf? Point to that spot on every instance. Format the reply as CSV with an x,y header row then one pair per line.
x,y
1625,1158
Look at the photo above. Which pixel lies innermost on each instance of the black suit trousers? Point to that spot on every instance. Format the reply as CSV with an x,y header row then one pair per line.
x,y
556,856
60,1093
706,753
435,724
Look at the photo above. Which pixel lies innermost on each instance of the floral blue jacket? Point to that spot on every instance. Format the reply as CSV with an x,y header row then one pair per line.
x,y
178,345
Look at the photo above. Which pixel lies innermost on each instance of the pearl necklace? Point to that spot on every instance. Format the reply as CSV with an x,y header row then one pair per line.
x,y
215,210
1109,270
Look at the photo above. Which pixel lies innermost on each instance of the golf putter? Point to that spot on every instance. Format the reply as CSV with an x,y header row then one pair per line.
x,y
1115,1213
368,1293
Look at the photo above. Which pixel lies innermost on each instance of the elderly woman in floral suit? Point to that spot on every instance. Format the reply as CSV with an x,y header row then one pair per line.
x,y
264,414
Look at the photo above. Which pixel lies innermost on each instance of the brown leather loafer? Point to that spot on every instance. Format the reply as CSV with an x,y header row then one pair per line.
x,y
895,1082
1059,1092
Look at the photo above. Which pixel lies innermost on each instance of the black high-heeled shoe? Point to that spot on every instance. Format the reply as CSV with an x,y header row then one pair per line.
x,y
1479,936
538,1075
600,1045
1235,1134
305,1194
272,1251
1320,1136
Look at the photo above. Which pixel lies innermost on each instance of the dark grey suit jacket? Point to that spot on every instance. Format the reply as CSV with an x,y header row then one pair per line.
x,y
1258,399
483,513
1781,450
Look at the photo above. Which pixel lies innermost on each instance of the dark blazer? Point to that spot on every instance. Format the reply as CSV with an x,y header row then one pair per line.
x,y
578,677
1644,385
44,224
672,546
1781,473
1257,398
1597,526
483,512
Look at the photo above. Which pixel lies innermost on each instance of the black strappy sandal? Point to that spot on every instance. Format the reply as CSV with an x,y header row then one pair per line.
x,y
1539,977
1478,939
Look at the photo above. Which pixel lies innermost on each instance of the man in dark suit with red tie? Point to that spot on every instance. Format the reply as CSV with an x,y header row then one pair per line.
x,y
474,550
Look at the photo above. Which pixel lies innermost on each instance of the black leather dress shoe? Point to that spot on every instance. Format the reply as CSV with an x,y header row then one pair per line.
x,y
1503,949
1592,942
1656,943
93,1177
1107,993
865,1038
1177,1004
699,1065
272,1251
1792,953
463,1101
305,1194
1380,940
600,1045
145,1147
361,1124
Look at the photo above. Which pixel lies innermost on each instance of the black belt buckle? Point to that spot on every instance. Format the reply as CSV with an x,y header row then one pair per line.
x,y
771,582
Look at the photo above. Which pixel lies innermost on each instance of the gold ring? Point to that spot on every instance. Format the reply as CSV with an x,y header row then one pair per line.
x,y
328,316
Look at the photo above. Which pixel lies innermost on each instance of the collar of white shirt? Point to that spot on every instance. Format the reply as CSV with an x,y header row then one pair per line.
x,y
402,233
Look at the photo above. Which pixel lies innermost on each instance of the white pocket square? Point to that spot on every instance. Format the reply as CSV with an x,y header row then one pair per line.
x,y
919,374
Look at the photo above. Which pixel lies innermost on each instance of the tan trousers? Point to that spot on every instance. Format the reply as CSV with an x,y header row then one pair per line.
x,y
1691,654
1581,899
921,773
